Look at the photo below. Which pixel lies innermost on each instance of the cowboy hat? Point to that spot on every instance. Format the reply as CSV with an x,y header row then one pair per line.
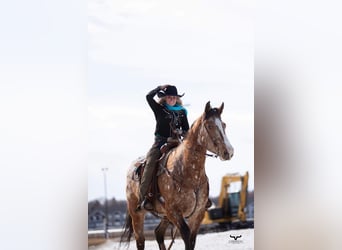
x,y
169,91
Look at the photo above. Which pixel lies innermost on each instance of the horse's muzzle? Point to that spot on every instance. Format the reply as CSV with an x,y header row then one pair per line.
x,y
228,154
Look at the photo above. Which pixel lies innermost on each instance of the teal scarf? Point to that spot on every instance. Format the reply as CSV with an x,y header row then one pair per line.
x,y
177,107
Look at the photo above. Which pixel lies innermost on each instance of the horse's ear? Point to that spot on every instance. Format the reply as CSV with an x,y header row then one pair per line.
x,y
220,109
207,107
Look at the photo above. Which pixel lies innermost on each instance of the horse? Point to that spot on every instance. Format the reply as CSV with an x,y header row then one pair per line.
x,y
183,183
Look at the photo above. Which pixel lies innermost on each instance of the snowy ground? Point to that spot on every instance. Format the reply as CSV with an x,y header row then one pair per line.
x,y
208,241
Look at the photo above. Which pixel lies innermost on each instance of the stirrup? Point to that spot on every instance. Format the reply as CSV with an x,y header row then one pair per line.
x,y
147,205
138,208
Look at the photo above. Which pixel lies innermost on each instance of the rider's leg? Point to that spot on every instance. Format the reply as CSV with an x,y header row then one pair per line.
x,y
151,163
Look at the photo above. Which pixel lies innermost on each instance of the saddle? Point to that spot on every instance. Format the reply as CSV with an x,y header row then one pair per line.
x,y
138,171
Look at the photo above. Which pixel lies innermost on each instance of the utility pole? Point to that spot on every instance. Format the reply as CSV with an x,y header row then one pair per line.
x,y
106,204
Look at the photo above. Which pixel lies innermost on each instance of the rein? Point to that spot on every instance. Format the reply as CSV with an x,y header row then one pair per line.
x,y
211,155
193,211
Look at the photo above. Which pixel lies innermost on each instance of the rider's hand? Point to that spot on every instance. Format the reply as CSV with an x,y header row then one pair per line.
x,y
163,87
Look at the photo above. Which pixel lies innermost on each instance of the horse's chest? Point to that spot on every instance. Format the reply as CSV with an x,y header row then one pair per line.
x,y
186,201
187,196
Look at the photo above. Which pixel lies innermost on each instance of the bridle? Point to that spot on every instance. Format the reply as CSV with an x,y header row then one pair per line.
x,y
214,141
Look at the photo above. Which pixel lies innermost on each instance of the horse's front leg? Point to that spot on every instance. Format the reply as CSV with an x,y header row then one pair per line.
x,y
183,228
160,232
194,224
196,219
194,227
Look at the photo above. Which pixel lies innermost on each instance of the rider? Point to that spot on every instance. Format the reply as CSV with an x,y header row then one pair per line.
x,y
171,121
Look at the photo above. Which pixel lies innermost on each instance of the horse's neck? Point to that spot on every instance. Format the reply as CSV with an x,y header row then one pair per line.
x,y
192,160
194,150
194,153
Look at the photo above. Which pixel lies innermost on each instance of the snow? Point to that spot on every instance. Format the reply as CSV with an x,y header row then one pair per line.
x,y
208,241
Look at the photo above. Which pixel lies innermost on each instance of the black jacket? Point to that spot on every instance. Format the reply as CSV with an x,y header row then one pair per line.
x,y
166,118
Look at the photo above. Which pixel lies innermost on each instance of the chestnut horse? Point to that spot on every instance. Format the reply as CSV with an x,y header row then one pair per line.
x,y
183,185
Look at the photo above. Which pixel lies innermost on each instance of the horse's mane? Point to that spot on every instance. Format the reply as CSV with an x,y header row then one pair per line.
x,y
194,125
200,119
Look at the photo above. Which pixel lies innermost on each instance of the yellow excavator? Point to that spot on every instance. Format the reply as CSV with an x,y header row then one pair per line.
x,y
230,212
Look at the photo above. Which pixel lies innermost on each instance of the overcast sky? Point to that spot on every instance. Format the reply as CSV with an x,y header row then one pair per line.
x,y
205,48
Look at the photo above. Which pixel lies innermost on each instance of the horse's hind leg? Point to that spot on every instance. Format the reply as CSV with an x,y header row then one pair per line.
x,y
160,232
138,227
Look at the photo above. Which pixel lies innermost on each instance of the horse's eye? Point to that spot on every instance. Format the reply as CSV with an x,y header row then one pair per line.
x,y
210,126
224,125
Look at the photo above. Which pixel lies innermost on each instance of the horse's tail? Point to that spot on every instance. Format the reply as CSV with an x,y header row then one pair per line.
x,y
128,229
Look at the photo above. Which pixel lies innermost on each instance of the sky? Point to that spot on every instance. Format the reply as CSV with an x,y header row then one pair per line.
x,y
205,48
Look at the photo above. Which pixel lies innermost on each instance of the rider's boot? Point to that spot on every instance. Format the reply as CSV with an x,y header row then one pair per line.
x,y
145,204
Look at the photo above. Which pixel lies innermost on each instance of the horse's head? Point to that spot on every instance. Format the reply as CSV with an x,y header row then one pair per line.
x,y
213,133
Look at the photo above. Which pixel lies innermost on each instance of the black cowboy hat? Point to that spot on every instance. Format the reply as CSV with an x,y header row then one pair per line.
x,y
169,91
